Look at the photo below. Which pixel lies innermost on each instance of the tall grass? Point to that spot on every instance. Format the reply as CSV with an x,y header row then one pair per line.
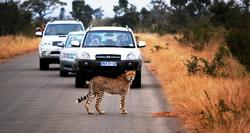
x,y
203,103
11,46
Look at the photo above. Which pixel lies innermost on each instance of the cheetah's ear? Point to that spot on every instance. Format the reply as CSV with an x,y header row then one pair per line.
x,y
126,71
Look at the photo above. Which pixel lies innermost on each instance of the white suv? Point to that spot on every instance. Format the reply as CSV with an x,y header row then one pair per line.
x,y
108,51
55,33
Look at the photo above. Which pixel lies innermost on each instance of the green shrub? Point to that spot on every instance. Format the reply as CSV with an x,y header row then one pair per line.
x,y
239,43
210,68
192,65
219,56
197,36
157,47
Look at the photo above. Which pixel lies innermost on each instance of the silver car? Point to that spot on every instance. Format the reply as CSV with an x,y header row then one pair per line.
x,y
69,53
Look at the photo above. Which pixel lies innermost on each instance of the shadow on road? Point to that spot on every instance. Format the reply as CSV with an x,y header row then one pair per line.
x,y
151,86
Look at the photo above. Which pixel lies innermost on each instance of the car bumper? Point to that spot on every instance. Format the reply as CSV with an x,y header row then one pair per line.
x,y
51,59
50,52
67,66
92,68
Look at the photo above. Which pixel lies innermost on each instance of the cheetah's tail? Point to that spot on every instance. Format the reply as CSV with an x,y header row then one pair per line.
x,y
81,99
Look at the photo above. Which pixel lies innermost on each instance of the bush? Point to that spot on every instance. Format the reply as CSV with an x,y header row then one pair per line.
x,y
197,37
239,43
157,47
222,112
210,68
219,56
192,65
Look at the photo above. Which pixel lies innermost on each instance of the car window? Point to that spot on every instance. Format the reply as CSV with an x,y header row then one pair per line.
x,y
108,39
62,29
73,37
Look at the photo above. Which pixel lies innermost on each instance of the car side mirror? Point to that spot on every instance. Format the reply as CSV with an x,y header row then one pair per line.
x,y
39,34
141,44
75,44
60,44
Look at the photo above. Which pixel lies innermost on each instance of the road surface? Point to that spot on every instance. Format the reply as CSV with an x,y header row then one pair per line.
x,y
42,102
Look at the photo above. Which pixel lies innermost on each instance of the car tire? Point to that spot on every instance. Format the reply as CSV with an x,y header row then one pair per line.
x,y
44,65
80,81
137,81
63,73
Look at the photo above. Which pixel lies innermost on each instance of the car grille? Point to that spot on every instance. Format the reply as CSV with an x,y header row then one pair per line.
x,y
56,42
55,52
107,57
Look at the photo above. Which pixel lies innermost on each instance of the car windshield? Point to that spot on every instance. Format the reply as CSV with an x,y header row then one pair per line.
x,y
73,37
62,29
108,39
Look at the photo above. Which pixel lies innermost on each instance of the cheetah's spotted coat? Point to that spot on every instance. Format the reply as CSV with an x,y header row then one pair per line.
x,y
99,84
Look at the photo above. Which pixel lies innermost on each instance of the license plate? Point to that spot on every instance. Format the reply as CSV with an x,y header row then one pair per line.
x,y
108,63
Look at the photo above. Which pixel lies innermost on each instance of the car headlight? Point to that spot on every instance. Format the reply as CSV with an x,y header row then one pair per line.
x,y
45,53
132,56
46,43
69,55
83,55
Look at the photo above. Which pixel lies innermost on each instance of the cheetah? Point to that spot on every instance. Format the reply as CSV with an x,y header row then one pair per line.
x,y
115,86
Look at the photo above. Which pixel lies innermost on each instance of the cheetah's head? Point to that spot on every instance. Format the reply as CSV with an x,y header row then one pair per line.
x,y
130,75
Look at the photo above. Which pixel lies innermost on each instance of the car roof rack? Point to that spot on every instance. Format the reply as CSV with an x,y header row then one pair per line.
x,y
91,26
127,27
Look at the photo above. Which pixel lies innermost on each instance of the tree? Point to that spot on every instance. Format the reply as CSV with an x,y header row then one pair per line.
x,y
159,10
188,13
145,17
198,7
125,15
159,16
98,13
178,4
122,7
62,13
41,7
130,18
227,14
246,6
82,12
234,17
9,14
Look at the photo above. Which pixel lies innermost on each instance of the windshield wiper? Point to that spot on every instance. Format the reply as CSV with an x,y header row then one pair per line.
x,y
125,46
109,46
100,46
60,34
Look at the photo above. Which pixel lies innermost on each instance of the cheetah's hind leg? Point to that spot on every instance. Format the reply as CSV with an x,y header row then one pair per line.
x,y
87,104
98,101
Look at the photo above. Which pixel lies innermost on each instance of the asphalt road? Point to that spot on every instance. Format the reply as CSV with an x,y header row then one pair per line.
x,y
42,102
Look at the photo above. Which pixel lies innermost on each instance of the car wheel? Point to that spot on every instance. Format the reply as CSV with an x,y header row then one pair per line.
x,y
63,73
137,81
44,65
80,81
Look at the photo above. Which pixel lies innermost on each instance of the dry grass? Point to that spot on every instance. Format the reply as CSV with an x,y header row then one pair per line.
x,y
203,103
11,46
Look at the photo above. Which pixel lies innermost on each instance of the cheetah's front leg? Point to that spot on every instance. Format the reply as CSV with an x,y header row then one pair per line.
x,y
122,105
